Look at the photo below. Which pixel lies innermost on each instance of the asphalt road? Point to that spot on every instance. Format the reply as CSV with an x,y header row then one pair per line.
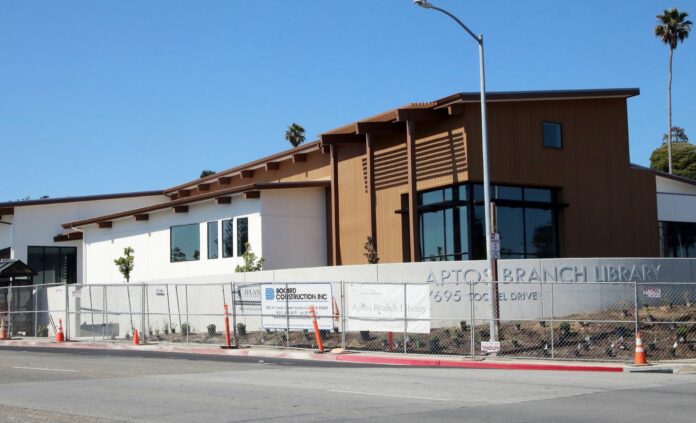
x,y
108,386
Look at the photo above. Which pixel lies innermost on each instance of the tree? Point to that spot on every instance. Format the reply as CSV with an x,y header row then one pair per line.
x,y
678,135
251,263
371,251
295,135
672,28
683,155
207,172
126,263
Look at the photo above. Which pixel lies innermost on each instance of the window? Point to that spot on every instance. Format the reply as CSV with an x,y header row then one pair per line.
x,y
212,240
227,238
452,222
242,234
53,264
553,135
185,243
677,239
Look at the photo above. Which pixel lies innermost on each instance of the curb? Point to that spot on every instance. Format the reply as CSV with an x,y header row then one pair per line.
x,y
310,355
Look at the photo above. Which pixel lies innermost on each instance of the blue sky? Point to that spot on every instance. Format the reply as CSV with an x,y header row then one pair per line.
x,y
115,96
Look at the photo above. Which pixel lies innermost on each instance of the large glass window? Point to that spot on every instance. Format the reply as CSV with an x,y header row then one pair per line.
x,y
452,222
242,235
53,264
212,240
228,238
677,239
185,243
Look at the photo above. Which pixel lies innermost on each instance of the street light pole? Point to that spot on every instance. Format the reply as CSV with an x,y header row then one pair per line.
x,y
486,176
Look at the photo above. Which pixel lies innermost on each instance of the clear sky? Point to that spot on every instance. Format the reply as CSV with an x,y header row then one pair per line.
x,y
129,95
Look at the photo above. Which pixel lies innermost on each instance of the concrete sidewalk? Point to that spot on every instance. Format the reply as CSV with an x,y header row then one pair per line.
x,y
377,358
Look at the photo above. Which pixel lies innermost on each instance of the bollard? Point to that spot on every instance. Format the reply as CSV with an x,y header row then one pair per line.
x,y
136,337
320,344
228,340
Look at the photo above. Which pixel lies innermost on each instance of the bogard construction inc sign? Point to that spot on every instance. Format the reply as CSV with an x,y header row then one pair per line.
x,y
287,305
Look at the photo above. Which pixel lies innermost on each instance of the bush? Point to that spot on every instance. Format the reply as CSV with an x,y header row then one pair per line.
x,y
212,329
241,329
565,328
185,329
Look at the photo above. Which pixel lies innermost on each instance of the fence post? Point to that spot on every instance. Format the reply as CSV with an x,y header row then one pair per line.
x,y
233,287
405,319
36,310
67,312
343,315
287,317
143,331
635,309
472,326
105,307
553,316
9,311
188,323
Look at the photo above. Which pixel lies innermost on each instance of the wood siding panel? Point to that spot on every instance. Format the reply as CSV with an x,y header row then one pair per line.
x,y
611,207
353,204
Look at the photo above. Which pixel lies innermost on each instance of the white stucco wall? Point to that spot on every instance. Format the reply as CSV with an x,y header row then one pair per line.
x,y
6,232
36,225
676,200
286,227
294,228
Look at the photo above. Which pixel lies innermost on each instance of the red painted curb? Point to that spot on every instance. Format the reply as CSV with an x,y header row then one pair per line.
x,y
474,364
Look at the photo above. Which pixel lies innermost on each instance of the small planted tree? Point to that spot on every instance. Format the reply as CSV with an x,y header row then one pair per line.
x,y
251,262
371,251
125,265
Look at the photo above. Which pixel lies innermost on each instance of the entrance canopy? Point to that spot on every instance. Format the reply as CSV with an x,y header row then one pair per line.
x,y
14,270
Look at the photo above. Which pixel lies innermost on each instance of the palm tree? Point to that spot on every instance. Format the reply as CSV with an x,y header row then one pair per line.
x,y
672,28
295,135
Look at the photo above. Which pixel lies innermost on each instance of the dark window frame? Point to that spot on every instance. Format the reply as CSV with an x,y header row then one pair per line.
x,y
472,204
60,254
171,228
241,245
231,239
217,239
543,138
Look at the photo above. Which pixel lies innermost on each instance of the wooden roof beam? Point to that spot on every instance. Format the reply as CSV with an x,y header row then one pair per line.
x,y
329,139
223,200
104,225
142,217
225,180
299,158
204,187
70,236
247,174
456,109
181,209
6,211
402,115
272,166
379,127
252,194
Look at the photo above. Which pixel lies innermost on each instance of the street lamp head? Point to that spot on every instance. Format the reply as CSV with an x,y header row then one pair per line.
x,y
423,3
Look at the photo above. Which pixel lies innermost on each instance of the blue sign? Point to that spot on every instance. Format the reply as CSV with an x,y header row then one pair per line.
x,y
270,293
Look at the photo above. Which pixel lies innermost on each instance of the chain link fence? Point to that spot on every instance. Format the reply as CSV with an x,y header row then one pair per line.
x,y
575,321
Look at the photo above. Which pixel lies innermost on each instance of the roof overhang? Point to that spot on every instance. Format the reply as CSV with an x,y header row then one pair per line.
x,y
175,205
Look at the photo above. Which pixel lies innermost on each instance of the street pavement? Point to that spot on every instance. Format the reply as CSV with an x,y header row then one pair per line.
x,y
45,385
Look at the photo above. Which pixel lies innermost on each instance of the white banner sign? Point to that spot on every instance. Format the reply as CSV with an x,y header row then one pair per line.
x,y
280,301
380,307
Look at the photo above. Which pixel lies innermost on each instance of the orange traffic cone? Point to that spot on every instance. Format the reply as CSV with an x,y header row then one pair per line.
x,y
640,352
136,337
4,333
60,337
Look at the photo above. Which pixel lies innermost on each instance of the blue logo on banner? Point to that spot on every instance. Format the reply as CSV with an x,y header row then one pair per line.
x,y
269,293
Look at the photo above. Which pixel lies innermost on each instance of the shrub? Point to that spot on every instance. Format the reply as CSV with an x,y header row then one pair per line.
x,y
565,328
241,329
185,329
212,329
